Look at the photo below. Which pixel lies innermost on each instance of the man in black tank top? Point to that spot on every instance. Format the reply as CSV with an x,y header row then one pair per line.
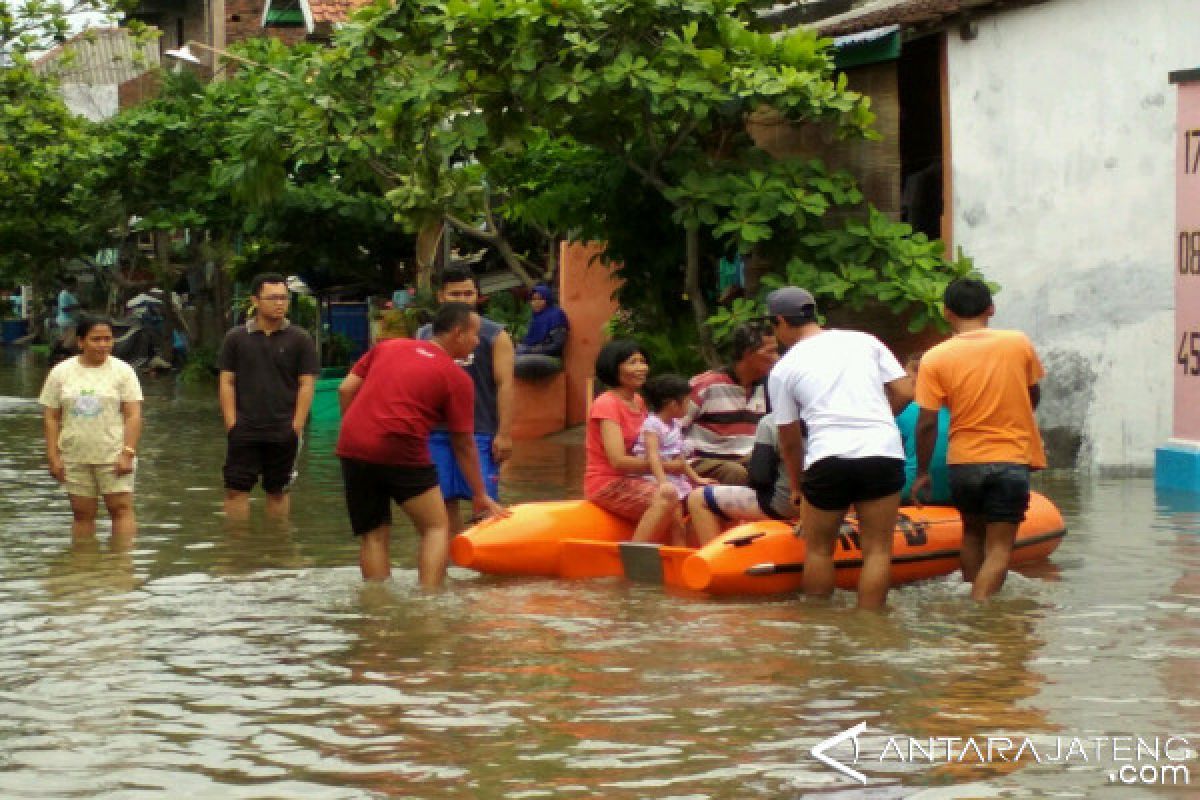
x,y
491,371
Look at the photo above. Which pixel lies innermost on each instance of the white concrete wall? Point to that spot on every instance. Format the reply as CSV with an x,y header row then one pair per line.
x,y
1062,123
94,102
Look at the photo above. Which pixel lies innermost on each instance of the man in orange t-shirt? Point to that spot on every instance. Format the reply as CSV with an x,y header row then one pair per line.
x,y
989,381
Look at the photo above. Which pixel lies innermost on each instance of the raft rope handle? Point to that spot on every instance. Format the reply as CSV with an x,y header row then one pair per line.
x,y
742,541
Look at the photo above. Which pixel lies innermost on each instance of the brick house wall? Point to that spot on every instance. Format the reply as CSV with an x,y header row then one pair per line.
x,y
243,20
876,164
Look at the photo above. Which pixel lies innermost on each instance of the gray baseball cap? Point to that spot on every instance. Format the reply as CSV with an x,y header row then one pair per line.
x,y
791,301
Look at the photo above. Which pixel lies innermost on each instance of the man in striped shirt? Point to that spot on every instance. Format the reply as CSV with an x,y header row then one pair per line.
x,y
726,405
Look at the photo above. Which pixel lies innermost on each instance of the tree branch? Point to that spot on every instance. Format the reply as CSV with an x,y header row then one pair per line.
x,y
648,124
390,176
495,239
678,140
647,176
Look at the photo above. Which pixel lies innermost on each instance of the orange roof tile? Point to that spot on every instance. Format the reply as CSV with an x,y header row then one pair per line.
x,y
333,11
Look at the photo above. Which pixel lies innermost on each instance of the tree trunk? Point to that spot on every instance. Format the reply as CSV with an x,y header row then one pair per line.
x,y
167,276
551,273
510,259
428,240
38,307
757,265
691,283
221,295
213,316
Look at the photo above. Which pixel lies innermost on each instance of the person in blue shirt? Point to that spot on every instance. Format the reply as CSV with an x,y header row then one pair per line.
x,y
67,308
906,421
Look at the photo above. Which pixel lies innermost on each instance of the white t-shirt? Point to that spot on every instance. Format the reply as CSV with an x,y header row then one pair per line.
x,y
93,430
834,382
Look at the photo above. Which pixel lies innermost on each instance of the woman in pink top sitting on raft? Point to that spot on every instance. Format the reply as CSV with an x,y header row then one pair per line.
x,y
614,477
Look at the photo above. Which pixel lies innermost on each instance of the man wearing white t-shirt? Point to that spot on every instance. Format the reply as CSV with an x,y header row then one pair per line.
x,y
835,395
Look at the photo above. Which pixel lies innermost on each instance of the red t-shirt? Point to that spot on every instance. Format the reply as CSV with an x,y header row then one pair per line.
x,y
599,472
409,387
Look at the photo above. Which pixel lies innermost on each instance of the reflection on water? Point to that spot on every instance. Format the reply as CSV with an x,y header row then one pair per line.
x,y
218,660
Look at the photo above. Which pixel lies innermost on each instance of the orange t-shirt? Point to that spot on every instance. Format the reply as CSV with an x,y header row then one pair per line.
x,y
983,377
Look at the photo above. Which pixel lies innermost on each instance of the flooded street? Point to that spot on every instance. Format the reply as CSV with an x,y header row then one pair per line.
x,y
215,661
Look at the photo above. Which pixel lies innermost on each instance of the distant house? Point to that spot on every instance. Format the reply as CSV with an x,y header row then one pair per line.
x,y
316,18
214,23
100,71
1051,123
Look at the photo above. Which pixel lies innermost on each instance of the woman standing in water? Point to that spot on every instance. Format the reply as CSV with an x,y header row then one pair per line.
x,y
92,415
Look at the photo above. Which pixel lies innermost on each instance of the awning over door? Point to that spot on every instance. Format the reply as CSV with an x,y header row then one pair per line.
x,y
868,47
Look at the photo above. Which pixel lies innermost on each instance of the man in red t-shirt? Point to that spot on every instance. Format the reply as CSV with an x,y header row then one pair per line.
x,y
392,398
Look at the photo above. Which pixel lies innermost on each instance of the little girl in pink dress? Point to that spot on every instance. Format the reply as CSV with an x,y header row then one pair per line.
x,y
661,440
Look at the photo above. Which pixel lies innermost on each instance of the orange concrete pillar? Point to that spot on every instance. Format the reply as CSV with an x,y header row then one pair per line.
x,y
585,292
541,407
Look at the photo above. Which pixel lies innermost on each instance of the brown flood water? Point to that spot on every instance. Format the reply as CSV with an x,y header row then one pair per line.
x,y
223,662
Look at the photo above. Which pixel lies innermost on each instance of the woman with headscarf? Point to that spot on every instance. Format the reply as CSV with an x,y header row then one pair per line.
x,y
548,328
540,353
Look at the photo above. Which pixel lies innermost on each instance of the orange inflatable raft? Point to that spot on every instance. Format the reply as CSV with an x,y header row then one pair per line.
x,y
575,539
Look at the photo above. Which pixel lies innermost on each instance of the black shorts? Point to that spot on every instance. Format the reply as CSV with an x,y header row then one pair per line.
x,y
997,491
371,488
836,483
273,461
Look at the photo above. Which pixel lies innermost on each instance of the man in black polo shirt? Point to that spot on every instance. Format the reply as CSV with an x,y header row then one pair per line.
x,y
268,374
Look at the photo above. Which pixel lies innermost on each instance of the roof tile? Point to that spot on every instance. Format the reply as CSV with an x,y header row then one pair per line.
x,y
334,11
906,13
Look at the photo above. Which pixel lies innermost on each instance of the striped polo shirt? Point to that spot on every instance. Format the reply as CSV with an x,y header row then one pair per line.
x,y
722,416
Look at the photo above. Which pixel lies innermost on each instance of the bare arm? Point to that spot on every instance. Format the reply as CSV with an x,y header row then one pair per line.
x,y
614,450
926,435
227,395
463,444
926,439
791,450
654,458
52,426
131,415
304,397
899,393
694,477
502,373
348,390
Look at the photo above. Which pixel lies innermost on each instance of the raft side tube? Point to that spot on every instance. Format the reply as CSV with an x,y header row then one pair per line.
x,y
575,539
927,543
530,541
581,558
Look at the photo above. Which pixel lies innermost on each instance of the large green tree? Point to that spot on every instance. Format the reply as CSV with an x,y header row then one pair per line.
x,y
448,102
187,170
45,215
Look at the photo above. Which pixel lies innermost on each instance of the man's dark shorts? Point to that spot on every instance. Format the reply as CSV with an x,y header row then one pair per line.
x,y
997,491
371,488
836,483
273,461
